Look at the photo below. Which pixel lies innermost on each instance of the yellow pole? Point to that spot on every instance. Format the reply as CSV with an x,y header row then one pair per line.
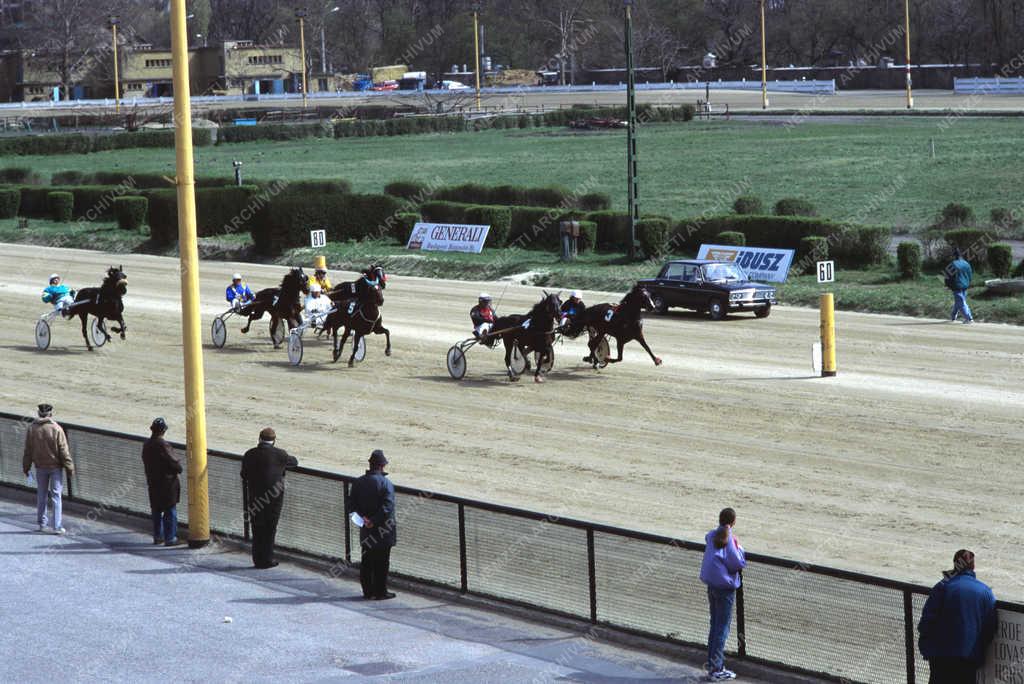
x,y
906,38
764,63
302,48
191,332
828,335
476,54
117,81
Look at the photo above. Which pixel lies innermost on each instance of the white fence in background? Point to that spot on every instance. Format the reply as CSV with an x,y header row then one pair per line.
x,y
989,86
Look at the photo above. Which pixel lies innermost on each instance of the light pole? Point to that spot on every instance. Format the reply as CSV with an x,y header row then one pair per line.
x,y
476,49
764,61
634,207
906,37
301,16
323,39
114,21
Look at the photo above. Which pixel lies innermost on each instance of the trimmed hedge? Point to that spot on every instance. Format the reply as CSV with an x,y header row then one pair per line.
x,y
130,211
70,178
731,237
19,175
955,215
90,202
1018,271
968,240
813,249
509,195
612,230
748,204
1005,219
288,218
498,218
298,131
314,187
794,206
594,201
1000,259
653,235
588,236
908,256
402,227
411,190
78,143
61,205
10,202
219,211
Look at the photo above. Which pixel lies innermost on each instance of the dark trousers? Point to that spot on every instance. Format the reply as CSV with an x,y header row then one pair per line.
x,y
265,511
951,671
373,571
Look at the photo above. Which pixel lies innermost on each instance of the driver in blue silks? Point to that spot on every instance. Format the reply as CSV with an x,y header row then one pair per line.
x,y
58,294
238,293
572,313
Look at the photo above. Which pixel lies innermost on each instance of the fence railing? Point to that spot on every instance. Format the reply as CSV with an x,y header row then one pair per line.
x,y
839,624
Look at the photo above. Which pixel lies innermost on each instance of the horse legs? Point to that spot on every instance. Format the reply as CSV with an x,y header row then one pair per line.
x,y
512,377
339,347
620,344
643,343
103,329
274,322
355,345
591,358
85,334
379,329
541,358
121,326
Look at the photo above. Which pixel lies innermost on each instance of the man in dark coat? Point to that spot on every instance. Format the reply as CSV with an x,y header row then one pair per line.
x,y
162,469
373,498
263,471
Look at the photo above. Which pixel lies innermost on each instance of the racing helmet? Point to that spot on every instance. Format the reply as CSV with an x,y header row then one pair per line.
x,y
315,288
484,298
54,276
576,294
236,276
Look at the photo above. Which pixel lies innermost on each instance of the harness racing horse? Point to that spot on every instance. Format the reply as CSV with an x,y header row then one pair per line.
x,y
102,302
284,304
623,322
374,274
360,316
538,337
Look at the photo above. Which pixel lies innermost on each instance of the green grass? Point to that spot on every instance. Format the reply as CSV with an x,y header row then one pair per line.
x,y
872,169
101,236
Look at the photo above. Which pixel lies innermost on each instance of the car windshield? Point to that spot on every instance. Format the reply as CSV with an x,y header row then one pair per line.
x,y
723,272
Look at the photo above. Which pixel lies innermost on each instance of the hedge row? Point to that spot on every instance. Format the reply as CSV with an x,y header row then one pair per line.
x,y
219,211
90,202
299,131
80,143
513,195
131,180
286,220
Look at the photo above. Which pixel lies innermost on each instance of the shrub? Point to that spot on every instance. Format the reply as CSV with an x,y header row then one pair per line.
x,y
969,241
588,236
498,218
439,211
236,134
653,235
731,237
69,178
1018,271
1000,259
748,204
130,211
402,227
534,228
612,230
955,215
19,175
1005,221
286,220
594,201
411,190
315,187
554,196
10,202
813,249
793,206
219,211
908,256
61,204
467,193
163,216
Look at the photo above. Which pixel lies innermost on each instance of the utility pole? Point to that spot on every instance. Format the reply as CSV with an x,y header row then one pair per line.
x,y
301,16
476,48
634,208
906,38
114,21
764,61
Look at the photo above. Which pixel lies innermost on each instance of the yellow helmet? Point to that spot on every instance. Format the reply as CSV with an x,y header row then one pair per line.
x,y
320,262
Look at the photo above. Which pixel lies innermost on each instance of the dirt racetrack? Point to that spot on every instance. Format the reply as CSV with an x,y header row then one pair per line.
x,y
913,451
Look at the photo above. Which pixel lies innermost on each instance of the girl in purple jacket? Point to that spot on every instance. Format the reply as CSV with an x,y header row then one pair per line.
x,y
720,570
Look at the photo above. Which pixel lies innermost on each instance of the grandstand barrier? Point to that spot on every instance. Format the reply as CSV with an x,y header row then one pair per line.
x,y
841,625
989,86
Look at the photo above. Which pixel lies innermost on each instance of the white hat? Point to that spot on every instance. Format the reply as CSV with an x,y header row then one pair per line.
x,y
54,275
237,276
484,295
315,287
577,294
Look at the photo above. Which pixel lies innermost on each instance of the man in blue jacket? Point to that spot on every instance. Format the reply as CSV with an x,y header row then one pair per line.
x,y
957,624
724,560
958,279
373,498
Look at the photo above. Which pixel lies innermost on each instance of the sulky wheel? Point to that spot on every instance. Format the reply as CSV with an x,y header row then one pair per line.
x,y
219,332
519,362
602,352
361,350
95,334
549,363
42,335
456,362
278,337
295,348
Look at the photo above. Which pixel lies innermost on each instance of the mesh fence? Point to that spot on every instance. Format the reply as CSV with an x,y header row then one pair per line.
x,y
428,540
12,446
313,516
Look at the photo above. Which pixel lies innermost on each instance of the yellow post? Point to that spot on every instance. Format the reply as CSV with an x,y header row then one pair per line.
x,y
117,82
301,14
764,63
191,332
828,336
476,53
906,38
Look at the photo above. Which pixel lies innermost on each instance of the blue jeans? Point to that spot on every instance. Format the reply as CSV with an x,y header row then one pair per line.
x,y
165,524
49,482
720,602
960,306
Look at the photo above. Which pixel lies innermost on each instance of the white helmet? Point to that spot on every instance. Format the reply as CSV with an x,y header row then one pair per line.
x,y
576,294
54,276
484,297
236,276
315,287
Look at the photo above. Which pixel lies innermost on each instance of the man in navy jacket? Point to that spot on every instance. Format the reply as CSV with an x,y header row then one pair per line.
x,y
957,624
373,498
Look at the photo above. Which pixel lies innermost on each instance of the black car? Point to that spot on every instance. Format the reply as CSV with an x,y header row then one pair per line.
x,y
718,287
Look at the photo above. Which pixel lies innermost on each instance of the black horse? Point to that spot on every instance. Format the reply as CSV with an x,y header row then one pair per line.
x,y
359,315
102,302
283,303
623,322
373,275
537,337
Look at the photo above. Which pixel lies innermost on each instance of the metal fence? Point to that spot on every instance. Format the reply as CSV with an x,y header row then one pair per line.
x,y
830,622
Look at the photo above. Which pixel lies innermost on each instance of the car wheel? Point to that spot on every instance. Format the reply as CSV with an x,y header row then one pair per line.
x,y
660,306
716,308
763,311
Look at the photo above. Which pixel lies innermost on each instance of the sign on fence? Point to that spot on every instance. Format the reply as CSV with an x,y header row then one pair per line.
x,y
1004,663
317,238
448,237
826,271
759,263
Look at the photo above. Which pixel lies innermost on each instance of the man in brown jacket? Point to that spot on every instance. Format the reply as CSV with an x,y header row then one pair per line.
x,y
162,470
46,447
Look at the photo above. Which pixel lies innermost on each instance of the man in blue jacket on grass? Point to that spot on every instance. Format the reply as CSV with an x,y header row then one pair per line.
x,y
958,279
957,624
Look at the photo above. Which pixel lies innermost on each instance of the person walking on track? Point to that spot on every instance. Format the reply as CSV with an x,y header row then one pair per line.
x,y
958,279
373,499
162,470
724,559
46,447
263,469
957,623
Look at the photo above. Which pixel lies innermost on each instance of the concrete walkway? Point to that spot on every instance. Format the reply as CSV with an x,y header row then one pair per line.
x,y
104,604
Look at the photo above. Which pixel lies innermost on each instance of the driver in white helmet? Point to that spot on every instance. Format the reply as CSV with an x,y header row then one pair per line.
x,y
483,316
238,293
318,306
58,294
572,314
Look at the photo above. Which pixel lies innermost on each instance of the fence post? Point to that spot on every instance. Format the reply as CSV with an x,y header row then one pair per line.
x,y
464,584
741,621
245,509
908,633
592,568
348,528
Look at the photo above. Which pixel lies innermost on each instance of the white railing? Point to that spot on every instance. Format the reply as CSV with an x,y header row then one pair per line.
x,y
989,86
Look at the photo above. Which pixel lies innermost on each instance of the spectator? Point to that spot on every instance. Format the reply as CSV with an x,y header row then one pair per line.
x,y
263,471
373,498
724,559
958,279
162,469
46,447
957,624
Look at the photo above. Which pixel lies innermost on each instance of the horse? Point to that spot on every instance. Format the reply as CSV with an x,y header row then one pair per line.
x,y
102,302
359,315
345,291
283,303
538,337
623,322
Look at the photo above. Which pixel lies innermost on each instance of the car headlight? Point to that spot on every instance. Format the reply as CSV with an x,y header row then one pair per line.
x,y
769,294
735,296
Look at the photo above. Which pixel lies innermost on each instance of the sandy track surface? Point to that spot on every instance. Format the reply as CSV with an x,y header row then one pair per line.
x,y
910,453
